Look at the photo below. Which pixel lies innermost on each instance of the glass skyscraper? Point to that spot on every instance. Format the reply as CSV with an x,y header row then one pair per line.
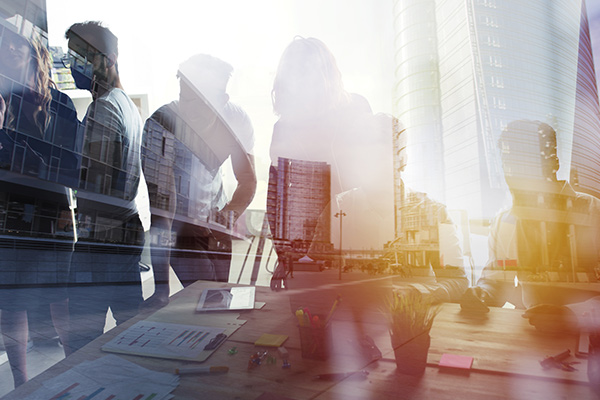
x,y
466,69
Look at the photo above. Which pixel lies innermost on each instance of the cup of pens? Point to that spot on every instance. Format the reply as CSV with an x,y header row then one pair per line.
x,y
315,336
315,333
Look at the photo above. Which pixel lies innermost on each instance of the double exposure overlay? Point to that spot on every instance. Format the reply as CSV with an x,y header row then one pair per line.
x,y
396,199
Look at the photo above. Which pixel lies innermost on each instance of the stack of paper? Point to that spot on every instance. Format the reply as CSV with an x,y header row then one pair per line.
x,y
109,377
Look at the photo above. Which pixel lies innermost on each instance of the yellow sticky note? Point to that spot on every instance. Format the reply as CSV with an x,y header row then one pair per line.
x,y
266,339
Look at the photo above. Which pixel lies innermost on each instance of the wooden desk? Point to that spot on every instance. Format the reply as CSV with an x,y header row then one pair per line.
x,y
506,349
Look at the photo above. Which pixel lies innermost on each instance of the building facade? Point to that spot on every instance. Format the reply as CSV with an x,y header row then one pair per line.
x,y
466,69
298,203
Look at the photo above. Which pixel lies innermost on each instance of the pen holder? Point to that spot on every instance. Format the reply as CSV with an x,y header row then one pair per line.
x,y
315,341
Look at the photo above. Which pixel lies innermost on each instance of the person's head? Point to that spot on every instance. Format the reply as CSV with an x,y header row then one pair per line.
x,y
30,63
528,150
207,75
307,80
93,51
15,55
202,89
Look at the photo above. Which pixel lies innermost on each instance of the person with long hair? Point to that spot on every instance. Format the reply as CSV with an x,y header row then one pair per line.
x,y
319,121
340,157
308,83
38,126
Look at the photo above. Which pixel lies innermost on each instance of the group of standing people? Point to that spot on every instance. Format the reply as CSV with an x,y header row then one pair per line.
x,y
94,228
112,150
74,238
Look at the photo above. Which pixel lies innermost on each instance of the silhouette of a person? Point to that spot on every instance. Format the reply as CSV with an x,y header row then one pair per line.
x,y
551,233
38,128
105,265
186,142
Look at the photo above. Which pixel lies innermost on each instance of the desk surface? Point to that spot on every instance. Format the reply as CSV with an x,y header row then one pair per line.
x,y
505,348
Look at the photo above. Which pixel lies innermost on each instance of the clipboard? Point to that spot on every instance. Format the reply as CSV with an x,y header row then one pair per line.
x,y
225,322
171,341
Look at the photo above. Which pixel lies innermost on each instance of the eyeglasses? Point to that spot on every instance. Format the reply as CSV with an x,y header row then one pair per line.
x,y
77,60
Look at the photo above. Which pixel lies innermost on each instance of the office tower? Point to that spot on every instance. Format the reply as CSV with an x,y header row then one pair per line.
x,y
417,98
586,142
298,202
465,69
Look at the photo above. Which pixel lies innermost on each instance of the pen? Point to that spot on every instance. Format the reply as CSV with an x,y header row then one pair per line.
x,y
307,317
555,361
341,375
216,341
300,316
316,323
200,370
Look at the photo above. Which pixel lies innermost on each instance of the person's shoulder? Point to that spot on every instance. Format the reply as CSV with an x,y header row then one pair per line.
x,y
234,109
119,99
280,139
586,196
60,97
359,103
233,113
117,105
113,100
114,94
166,115
283,129
239,121
586,202
166,109
504,216
62,102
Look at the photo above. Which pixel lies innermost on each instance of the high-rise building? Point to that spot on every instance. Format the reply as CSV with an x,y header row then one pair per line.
x,y
585,173
466,69
299,202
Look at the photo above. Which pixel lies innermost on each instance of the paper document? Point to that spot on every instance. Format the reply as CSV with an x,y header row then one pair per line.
x,y
108,377
159,339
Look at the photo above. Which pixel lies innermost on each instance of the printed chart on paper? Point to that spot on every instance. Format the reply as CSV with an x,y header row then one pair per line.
x,y
165,340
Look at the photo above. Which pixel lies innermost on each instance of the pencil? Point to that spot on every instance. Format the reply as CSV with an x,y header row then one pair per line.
x,y
200,370
333,308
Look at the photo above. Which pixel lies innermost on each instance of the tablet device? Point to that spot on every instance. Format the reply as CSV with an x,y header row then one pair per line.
x,y
236,298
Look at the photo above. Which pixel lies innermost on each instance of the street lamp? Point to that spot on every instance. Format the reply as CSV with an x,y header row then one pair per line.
x,y
341,216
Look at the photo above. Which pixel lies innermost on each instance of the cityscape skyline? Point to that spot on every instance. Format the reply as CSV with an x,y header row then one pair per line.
x,y
467,69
